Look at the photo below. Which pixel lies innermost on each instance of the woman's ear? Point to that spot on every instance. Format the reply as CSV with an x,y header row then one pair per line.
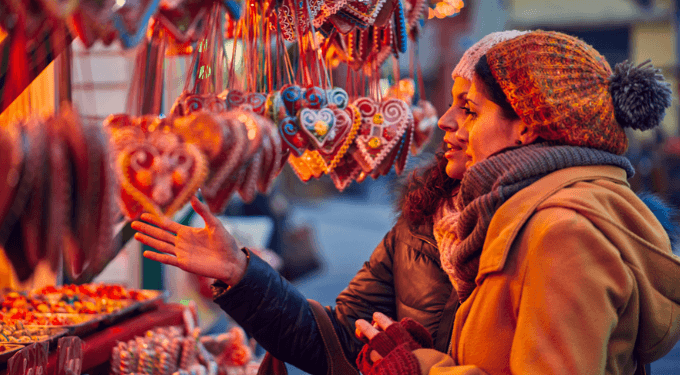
x,y
525,134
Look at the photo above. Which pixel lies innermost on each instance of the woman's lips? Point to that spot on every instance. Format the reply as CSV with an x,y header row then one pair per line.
x,y
452,150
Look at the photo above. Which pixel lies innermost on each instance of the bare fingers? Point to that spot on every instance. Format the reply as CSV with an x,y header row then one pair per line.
x,y
154,232
156,244
382,320
161,222
162,258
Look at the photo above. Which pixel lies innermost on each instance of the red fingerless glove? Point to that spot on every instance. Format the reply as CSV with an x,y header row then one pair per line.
x,y
395,345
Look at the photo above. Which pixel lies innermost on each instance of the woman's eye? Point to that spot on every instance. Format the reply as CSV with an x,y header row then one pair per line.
x,y
467,110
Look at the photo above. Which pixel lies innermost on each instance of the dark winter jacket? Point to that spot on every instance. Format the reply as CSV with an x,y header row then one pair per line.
x,y
403,278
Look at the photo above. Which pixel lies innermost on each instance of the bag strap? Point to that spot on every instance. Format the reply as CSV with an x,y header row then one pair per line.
x,y
337,362
272,366
446,323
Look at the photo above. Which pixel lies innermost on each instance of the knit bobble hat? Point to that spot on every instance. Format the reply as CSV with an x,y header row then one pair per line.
x,y
466,65
566,92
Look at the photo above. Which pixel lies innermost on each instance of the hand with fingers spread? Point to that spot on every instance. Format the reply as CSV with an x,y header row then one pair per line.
x,y
210,251
389,345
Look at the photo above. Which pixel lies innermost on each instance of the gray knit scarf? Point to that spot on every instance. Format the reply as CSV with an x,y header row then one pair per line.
x,y
488,184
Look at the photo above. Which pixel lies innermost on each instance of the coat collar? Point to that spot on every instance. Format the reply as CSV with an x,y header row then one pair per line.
x,y
514,213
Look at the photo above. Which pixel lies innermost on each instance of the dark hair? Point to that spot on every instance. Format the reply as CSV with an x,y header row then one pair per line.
x,y
493,90
425,191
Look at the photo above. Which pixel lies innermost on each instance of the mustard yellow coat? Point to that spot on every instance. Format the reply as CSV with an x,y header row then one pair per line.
x,y
576,277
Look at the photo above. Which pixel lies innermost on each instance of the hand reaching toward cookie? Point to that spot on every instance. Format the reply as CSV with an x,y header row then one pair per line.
x,y
210,251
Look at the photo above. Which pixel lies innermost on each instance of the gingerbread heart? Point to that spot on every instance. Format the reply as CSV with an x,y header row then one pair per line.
x,y
218,202
256,101
273,108
341,135
137,16
425,122
292,135
315,97
206,102
247,188
293,99
317,124
382,128
235,98
202,129
160,175
271,165
231,154
345,171
337,97
362,13
402,158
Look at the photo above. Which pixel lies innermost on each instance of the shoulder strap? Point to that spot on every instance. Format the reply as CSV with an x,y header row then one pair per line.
x,y
446,323
337,362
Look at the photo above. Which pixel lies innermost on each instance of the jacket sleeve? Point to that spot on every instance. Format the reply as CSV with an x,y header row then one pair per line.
x,y
270,309
573,284
371,290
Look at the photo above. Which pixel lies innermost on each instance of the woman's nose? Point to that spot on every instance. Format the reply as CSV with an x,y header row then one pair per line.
x,y
447,122
462,135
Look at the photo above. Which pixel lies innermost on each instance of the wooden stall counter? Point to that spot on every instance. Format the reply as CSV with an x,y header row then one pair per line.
x,y
97,347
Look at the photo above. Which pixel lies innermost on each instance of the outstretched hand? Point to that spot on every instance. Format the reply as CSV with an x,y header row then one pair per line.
x,y
210,251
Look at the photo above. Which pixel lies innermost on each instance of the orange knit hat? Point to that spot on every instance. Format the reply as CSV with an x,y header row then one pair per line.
x,y
566,91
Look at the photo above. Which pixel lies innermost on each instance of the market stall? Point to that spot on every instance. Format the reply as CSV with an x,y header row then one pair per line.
x,y
316,86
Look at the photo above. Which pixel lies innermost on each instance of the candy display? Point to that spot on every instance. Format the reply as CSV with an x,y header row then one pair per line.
x,y
69,299
169,351
20,334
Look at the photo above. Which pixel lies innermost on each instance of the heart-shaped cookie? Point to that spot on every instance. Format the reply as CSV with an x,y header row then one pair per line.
x,y
317,124
256,101
230,156
235,98
345,171
134,18
424,123
315,97
160,175
341,135
292,135
402,158
337,97
381,128
247,188
271,164
292,98
362,13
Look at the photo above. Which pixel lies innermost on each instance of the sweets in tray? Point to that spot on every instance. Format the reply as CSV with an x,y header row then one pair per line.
x,y
79,308
18,333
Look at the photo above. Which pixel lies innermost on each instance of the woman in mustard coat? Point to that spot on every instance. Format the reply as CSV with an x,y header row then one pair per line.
x,y
559,266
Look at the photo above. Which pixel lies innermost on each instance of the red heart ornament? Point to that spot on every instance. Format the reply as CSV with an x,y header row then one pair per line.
x,y
402,158
424,122
381,128
317,125
235,98
160,175
345,171
341,136
271,165
256,101
292,135
231,155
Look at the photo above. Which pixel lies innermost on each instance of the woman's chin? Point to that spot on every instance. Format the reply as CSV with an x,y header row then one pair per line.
x,y
455,170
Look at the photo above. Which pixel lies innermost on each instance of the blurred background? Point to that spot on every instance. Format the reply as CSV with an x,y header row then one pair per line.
x,y
322,237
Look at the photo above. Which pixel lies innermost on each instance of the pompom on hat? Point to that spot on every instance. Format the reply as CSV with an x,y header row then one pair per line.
x,y
466,65
566,91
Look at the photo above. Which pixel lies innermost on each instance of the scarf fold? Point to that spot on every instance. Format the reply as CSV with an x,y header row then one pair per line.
x,y
444,230
491,182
